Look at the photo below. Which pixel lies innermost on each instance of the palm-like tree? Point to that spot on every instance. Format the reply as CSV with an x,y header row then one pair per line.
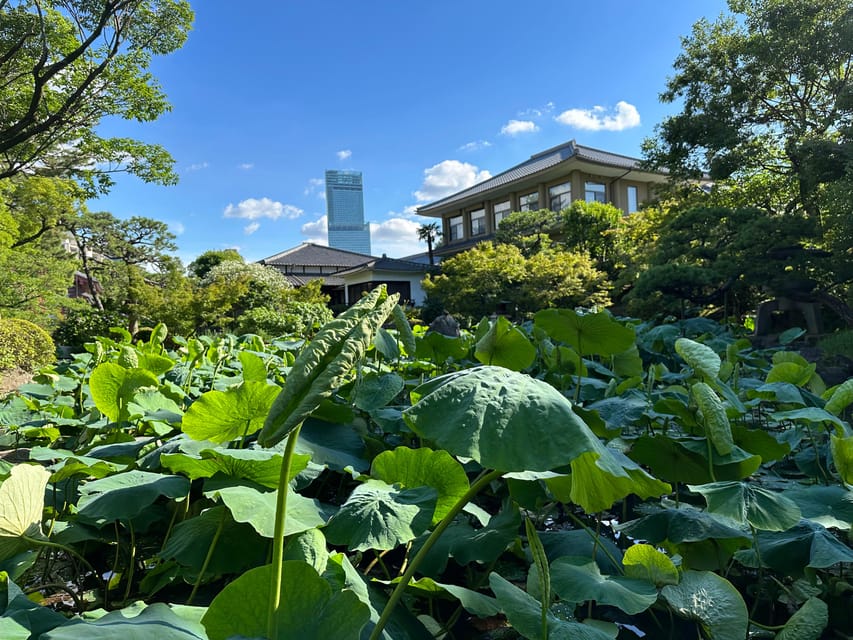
x,y
430,233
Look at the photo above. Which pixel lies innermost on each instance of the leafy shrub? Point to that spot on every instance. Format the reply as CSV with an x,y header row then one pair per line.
x,y
296,317
24,345
84,324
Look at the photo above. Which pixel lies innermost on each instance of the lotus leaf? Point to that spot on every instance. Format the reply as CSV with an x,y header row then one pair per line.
x,y
711,601
578,579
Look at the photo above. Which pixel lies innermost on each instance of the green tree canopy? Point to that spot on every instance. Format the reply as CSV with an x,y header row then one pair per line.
x,y
498,278
67,65
766,90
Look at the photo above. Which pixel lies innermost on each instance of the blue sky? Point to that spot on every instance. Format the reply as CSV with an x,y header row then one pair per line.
x,y
425,98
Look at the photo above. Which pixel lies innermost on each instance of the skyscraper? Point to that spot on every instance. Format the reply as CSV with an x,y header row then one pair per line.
x,y
345,209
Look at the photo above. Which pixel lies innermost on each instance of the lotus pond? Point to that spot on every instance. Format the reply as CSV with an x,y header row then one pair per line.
x,y
576,476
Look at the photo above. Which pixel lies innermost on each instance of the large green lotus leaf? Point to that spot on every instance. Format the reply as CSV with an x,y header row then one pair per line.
x,y
781,392
644,562
749,503
791,372
386,344
525,615
239,411
154,404
465,544
812,415
711,601
253,365
335,445
154,362
505,345
685,460
806,545
155,621
21,508
761,443
717,427
423,467
701,358
379,516
618,412
588,333
326,363
830,506
261,466
596,485
502,419
258,509
113,387
577,542
126,495
578,579
237,549
375,390
308,546
309,608
680,525
628,363
438,348
840,398
69,465
807,623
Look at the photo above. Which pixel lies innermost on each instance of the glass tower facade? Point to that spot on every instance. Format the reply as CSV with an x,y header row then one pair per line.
x,y
345,210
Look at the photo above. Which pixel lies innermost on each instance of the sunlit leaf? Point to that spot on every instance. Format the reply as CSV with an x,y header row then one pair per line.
x,y
113,387
423,467
701,358
220,416
717,427
310,608
644,562
588,333
21,508
504,345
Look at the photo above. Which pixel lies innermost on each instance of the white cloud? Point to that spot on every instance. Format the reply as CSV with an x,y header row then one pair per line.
x,y
315,186
476,145
395,237
253,208
516,127
317,231
250,228
625,116
447,177
343,154
177,228
245,166
198,166
534,112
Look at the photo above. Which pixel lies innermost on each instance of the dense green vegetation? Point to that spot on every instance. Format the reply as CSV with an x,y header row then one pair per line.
x,y
574,476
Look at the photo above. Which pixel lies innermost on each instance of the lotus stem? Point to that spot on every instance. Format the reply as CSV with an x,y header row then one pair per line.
x,y
475,488
208,557
278,535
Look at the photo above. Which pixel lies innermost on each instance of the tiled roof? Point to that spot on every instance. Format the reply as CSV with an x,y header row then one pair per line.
x,y
314,255
538,163
388,264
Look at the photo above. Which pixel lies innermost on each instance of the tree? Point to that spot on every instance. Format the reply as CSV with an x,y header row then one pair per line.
x,y
127,256
765,91
429,233
202,265
530,231
37,270
497,277
67,65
